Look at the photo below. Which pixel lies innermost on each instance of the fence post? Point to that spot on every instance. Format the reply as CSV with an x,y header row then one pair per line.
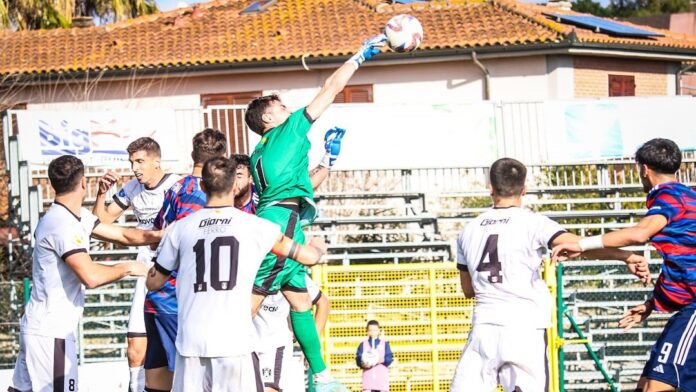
x,y
27,290
552,332
560,311
433,326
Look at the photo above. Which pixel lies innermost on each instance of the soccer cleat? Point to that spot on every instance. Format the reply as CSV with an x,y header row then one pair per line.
x,y
330,386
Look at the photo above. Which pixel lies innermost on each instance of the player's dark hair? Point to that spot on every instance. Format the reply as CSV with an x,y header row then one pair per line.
x,y
207,144
660,155
243,160
218,175
65,173
147,144
372,322
254,113
507,177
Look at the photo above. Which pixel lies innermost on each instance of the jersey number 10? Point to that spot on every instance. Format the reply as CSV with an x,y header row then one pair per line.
x,y
491,263
215,282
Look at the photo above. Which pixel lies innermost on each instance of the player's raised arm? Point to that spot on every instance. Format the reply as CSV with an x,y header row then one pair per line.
x,y
94,274
332,145
309,255
636,264
108,214
126,235
636,235
338,80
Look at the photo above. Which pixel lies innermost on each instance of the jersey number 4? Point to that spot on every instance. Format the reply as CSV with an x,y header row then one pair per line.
x,y
215,282
491,263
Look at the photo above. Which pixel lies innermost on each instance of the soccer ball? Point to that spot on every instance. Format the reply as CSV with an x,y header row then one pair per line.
x,y
404,32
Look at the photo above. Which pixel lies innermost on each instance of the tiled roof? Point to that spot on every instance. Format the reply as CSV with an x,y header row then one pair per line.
x,y
215,33
535,12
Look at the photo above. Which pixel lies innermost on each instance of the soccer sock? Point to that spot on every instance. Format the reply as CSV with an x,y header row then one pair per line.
x,y
137,379
306,334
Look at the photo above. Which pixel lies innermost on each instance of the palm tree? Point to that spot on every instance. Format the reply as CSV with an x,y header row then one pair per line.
x,y
50,14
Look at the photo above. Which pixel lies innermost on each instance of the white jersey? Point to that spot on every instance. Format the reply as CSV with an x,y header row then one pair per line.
x,y
271,321
217,252
502,249
146,203
58,296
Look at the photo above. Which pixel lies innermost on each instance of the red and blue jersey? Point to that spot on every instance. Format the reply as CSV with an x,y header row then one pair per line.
x,y
676,243
250,207
182,199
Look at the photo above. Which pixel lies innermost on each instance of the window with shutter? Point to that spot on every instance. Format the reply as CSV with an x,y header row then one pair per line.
x,y
622,86
229,121
355,94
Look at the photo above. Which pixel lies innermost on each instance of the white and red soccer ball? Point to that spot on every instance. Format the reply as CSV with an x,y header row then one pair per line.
x,y
404,32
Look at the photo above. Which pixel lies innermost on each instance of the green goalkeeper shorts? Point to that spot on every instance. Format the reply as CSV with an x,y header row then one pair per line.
x,y
278,273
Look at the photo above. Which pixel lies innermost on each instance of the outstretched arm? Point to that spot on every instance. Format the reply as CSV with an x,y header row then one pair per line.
x,y
127,235
636,235
636,264
309,255
94,274
338,80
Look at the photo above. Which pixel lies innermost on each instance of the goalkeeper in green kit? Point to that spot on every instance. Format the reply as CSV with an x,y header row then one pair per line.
x,y
286,197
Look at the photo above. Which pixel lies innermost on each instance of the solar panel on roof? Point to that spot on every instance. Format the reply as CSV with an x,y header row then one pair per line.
x,y
257,6
409,1
600,25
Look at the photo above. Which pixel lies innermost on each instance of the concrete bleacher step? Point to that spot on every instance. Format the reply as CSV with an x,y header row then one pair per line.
x,y
423,219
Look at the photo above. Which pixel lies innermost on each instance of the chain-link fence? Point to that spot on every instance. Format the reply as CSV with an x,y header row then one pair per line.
x,y
12,298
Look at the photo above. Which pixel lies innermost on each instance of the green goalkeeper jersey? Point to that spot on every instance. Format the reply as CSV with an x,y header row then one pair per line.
x,y
280,165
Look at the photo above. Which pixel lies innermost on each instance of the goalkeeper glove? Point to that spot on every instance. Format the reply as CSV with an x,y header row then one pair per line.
x,y
370,48
332,144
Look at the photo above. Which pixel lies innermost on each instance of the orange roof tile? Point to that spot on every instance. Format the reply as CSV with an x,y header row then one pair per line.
x,y
215,33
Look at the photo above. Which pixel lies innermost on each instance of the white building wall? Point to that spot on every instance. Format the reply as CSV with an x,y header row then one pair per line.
x,y
561,82
523,78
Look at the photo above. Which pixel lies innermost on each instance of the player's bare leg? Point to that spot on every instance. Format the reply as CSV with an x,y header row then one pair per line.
x,y
158,379
306,334
256,300
299,302
136,359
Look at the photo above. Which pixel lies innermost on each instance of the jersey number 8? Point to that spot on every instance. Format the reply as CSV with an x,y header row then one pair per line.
x,y
215,282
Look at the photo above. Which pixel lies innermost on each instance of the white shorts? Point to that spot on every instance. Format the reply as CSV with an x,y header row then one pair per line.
x,y
280,370
222,374
509,356
45,364
136,317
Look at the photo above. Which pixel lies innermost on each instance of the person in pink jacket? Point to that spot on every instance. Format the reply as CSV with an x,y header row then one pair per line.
x,y
373,356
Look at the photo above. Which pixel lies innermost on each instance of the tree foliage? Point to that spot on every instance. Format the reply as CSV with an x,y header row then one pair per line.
x,y
50,14
629,8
